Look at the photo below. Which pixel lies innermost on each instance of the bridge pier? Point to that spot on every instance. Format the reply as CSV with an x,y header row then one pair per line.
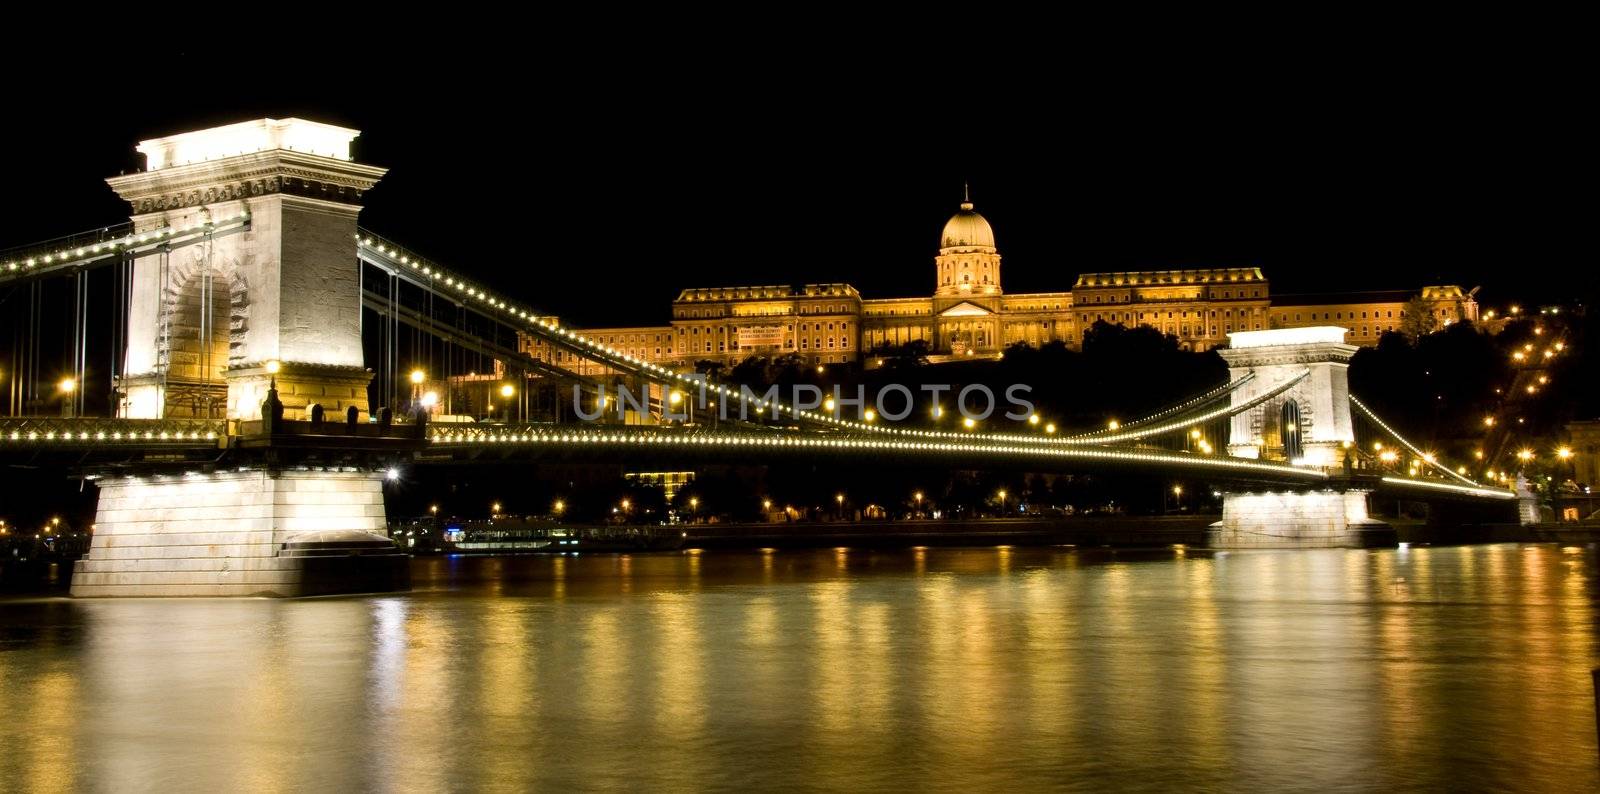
x,y
255,532
1298,520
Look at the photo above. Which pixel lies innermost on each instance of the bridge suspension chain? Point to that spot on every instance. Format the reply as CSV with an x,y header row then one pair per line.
x,y
382,253
1214,394
1426,458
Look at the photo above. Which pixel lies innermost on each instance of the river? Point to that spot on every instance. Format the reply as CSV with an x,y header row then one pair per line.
x,y
935,669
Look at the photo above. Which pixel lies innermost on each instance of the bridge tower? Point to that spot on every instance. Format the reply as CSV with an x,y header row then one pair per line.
x,y
204,323
1308,424
205,320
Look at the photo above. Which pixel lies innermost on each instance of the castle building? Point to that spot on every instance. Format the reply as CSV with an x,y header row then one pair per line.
x,y
970,315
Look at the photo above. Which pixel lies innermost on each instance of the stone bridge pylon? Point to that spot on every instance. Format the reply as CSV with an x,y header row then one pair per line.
x,y
211,327
1307,424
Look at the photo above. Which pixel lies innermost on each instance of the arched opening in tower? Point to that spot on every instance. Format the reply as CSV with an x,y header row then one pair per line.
x,y
198,337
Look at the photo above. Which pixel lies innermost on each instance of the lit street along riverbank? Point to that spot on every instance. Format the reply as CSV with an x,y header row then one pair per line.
x,y
831,669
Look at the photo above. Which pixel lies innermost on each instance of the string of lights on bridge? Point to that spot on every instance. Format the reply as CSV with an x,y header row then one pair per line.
x,y
549,329
130,243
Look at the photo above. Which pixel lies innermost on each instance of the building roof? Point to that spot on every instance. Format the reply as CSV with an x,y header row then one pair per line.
x,y
767,292
1342,298
1210,275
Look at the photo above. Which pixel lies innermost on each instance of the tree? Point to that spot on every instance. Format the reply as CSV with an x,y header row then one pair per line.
x,y
1417,320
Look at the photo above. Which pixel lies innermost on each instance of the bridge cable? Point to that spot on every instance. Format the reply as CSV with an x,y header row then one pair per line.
x,y
1224,389
1430,460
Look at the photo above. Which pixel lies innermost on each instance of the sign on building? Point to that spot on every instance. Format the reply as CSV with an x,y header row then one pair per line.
x,y
760,336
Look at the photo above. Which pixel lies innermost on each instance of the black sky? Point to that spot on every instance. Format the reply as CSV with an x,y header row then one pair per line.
x,y
563,189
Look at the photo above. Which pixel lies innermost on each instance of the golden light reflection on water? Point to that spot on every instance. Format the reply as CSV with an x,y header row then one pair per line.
x,y
1420,668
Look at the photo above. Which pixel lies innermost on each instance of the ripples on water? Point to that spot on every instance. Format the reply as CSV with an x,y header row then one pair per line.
x,y
969,669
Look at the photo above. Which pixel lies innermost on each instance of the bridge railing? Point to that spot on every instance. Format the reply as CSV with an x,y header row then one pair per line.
x,y
99,430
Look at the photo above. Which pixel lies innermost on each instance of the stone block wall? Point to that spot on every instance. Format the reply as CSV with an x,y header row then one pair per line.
x,y
219,534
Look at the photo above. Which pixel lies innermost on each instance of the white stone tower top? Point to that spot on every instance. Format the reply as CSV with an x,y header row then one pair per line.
x,y
1320,334
299,135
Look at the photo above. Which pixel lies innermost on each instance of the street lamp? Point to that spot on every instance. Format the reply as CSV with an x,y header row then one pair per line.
x,y
968,422
558,508
1033,419
694,507
1002,495
839,499
66,387
1113,425
417,376
434,509
917,497
507,391
1050,428
1564,453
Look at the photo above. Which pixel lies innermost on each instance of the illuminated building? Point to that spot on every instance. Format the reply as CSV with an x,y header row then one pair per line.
x,y
970,315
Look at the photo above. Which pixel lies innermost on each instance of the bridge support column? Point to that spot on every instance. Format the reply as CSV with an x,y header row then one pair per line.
x,y
1298,520
285,290
237,533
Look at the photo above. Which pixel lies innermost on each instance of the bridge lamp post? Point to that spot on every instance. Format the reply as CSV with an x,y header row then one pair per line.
x,y
1050,428
1033,419
1002,495
67,387
417,377
968,422
506,393
1177,498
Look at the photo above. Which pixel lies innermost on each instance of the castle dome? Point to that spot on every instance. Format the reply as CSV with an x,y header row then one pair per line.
x,y
967,229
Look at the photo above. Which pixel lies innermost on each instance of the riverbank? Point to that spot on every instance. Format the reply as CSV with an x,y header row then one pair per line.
x,y
1120,531
1085,531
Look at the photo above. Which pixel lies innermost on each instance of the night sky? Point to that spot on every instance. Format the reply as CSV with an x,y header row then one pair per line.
x,y
601,202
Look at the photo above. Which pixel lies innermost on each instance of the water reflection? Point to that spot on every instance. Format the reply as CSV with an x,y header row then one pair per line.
x,y
833,669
